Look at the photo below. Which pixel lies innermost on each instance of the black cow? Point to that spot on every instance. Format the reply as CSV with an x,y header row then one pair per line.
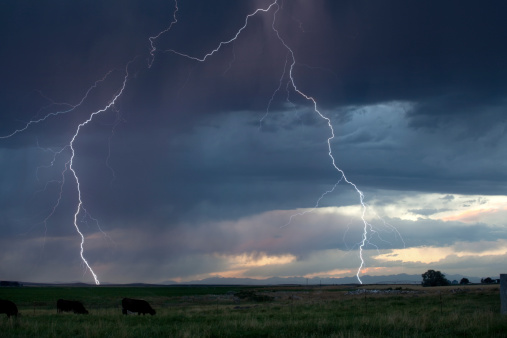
x,y
136,305
8,307
75,306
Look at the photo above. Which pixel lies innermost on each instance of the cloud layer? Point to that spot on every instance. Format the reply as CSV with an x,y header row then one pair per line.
x,y
221,168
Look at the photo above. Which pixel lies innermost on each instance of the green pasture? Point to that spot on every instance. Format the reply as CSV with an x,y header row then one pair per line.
x,y
471,311
103,297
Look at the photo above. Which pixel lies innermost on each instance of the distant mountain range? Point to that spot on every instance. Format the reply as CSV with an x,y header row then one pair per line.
x,y
366,279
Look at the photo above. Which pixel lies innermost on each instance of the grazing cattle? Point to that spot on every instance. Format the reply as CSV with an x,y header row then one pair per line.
x,y
8,307
75,306
136,305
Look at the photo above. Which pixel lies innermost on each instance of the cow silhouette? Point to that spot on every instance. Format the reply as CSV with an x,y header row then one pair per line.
x,y
136,305
75,306
8,307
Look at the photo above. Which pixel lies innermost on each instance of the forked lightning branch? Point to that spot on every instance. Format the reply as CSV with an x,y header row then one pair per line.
x,y
272,11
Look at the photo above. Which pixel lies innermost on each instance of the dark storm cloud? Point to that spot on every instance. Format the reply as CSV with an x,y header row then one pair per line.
x,y
449,59
415,92
366,51
378,147
415,50
240,169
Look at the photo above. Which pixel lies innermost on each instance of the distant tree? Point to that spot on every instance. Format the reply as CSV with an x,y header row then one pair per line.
x,y
454,282
464,281
487,280
434,278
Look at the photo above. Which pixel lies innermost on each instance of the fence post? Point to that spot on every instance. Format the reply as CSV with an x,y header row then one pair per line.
x,y
503,293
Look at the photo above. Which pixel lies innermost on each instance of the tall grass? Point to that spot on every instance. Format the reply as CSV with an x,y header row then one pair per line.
x,y
313,312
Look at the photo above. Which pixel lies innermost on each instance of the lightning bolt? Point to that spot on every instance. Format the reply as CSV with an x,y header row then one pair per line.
x,y
292,82
280,82
61,112
76,178
288,68
153,38
315,207
69,165
224,43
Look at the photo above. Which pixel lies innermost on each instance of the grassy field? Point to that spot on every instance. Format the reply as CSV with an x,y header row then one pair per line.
x,y
329,311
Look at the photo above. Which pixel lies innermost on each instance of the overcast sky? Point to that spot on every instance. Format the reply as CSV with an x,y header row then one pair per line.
x,y
198,159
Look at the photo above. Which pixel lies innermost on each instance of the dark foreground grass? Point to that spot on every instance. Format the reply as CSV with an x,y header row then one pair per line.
x,y
103,297
283,312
